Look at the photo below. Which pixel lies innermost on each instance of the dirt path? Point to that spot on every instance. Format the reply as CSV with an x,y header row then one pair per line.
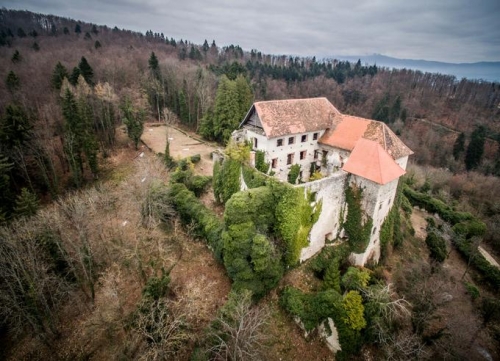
x,y
419,223
182,144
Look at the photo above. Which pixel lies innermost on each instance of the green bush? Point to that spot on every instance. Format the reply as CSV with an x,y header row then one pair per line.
x,y
355,279
156,287
472,290
490,273
193,212
251,260
294,218
293,174
260,163
433,205
437,246
226,179
470,229
252,177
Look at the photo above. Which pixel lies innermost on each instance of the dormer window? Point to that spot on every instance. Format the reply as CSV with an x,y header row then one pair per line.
x,y
291,140
279,142
315,136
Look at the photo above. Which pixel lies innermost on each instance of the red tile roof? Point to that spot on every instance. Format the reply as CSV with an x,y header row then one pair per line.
x,y
369,160
293,116
350,129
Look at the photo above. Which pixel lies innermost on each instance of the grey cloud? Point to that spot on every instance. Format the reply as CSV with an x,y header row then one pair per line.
x,y
445,30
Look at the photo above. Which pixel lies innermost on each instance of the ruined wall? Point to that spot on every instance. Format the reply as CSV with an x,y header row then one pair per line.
x,y
330,191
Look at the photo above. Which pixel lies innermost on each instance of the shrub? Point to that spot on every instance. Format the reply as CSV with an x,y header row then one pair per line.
x,y
293,174
156,287
470,229
437,246
355,279
252,177
193,212
260,163
472,290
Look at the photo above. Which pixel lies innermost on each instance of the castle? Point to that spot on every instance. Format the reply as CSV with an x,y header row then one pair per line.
x,y
336,148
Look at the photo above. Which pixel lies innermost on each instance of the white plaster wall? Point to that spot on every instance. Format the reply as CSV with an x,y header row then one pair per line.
x,y
377,202
281,153
330,191
402,162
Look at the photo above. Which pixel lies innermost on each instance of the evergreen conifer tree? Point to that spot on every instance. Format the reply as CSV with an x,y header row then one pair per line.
x,y
26,204
86,71
13,82
75,74
475,149
134,121
21,33
59,73
78,29
16,57
459,146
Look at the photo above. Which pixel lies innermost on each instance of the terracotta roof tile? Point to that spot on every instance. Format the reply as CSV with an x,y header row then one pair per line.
x,y
350,129
369,160
284,117
346,133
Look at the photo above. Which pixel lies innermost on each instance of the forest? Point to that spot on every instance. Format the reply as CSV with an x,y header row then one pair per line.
x,y
96,254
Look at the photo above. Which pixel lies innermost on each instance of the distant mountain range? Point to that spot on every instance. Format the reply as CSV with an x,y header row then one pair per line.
x,y
489,71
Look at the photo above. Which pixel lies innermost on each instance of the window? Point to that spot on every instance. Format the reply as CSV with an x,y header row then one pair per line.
x,y
315,136
303,155
274,163
291,140
316,154
255,143
289,159
303,139
279,142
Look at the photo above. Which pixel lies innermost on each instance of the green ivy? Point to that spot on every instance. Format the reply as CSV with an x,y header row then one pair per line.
x,y
357,230
294,174
252,177
295,217
260,163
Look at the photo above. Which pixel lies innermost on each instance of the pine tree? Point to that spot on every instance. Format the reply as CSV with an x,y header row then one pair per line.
x,y
154,66
134,121
6,198
332,276
87,36
245,95
15,128
27,204
13,82
72,137
21,33
78,29
75,74
459,146
205,46
97,44
59,73
226,110
35,46
475,149
16,57
66,31
94,30
86,71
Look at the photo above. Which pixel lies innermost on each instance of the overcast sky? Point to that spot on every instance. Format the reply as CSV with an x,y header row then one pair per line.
x,y
443,30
